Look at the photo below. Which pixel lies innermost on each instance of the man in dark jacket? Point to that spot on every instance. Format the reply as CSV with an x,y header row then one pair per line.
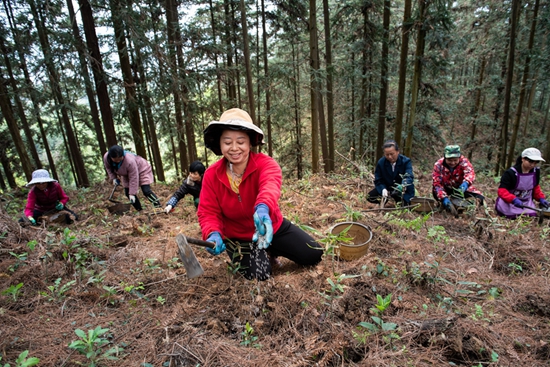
x,y
393,176
191,185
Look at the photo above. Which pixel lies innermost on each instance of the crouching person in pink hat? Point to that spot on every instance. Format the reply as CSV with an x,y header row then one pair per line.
x,y
45,195
519,187
239,202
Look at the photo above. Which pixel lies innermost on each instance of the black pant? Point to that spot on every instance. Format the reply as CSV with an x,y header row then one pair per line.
x,y
290,241
375,198
149,194
467,194
37,214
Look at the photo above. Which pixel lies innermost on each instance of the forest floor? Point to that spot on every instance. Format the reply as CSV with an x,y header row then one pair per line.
x,y
466,291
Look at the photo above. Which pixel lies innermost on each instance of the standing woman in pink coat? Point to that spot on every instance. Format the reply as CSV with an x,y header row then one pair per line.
x,y
134,171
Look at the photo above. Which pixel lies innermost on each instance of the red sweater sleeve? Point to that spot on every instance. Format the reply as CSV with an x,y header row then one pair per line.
x,y
506,195
537,193
31,201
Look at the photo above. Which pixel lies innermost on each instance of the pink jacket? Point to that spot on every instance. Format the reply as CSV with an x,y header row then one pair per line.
x,y
45,200
134,171
444,181
224,211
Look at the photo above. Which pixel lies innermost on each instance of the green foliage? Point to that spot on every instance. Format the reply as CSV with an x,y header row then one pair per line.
x,y
22,360
32,244
13,290
383,303
92,346
415,224
248,339
21,258
336,287
438,235
57,290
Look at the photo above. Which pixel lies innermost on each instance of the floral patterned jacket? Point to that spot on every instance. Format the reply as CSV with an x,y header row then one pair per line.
x,y
445,181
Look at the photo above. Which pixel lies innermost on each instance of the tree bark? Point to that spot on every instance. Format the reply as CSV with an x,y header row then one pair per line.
x,y
117,11
419,54
215,54
313,69
523,88
267,84
100,78
509,80
80,170
405,31
330,95
477,106
248,67
172,29
5,106
94,112
383,81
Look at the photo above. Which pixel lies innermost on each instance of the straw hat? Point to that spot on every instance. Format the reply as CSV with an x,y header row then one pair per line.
x,y
233,119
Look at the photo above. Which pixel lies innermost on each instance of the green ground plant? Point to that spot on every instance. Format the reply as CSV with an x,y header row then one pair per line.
x,y
248,339
58,291
22,360
92,345
21,258
378,326
13,291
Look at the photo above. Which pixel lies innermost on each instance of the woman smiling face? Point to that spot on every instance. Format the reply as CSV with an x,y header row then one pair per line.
x,y
235,146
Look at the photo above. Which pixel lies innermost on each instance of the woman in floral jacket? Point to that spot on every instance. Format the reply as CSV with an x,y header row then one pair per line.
x,y
452,175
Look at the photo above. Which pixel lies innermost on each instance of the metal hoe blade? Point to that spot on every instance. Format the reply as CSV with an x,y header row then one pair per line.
x,y
187,256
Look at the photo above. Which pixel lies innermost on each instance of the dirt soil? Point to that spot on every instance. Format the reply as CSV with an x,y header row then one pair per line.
x,y
466,291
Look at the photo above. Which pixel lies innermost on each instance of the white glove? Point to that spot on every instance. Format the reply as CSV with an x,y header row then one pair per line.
x,y
384,193
167,209
132,199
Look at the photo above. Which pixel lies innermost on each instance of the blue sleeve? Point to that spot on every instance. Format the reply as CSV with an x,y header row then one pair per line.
x,y
378,179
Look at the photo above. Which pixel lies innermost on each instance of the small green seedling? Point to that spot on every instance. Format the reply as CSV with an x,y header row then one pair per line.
x,y
248,339
22,360
92,344
13,290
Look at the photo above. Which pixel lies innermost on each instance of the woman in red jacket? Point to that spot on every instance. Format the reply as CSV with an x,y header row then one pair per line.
x,y
45,195
519,185
239,201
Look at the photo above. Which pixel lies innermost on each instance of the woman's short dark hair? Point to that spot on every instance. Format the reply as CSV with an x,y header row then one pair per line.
x,y
116,151
390,144
197,166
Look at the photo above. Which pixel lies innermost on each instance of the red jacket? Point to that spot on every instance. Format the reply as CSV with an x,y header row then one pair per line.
x,y
45,200
445,181
224,211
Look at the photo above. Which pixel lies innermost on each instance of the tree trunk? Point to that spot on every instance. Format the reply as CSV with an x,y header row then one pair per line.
x,y
405,31
94,112
383,81
532,92
100,78
509,80
31,91
172,28
267,84
150,120
230,77
419,54
218,72
330,95
523,88
6,108
4,144
477,106
76,156
314,104
298,124
248,67
117,11
20,108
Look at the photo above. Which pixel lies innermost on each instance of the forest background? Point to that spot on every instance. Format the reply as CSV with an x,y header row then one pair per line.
x,y
324,80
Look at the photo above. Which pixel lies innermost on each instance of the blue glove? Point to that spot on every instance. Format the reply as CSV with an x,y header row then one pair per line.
x,y
517,202
59,206
464,186
216,237
264,228
544,203
33,221
446,203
